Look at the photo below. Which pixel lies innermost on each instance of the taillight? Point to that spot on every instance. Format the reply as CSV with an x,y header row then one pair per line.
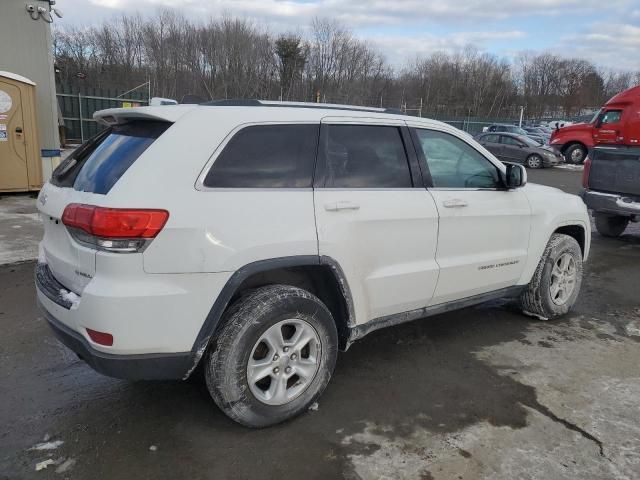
x,y
113,229
586,172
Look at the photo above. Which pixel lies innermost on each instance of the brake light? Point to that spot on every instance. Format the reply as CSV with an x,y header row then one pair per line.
x,y
586,172
113,229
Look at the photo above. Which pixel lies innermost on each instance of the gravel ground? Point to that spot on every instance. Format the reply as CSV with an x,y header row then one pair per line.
x,y
480,393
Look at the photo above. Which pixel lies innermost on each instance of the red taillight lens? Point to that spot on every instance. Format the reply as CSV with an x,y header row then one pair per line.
x,y
100,338
115,222
586,172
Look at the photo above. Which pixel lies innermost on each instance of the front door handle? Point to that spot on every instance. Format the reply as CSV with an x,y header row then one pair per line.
x,y
455,203
341,205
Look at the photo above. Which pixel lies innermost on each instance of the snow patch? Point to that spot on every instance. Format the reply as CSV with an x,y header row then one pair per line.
x,y
66,465
47,445
632,329
44,464
70,297
314,407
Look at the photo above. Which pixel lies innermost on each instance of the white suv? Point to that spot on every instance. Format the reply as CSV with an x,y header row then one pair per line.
x,y
258,238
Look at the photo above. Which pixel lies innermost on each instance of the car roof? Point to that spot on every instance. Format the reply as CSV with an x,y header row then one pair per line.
x,y
262,110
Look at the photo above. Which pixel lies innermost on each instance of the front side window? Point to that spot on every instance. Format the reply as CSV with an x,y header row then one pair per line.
x,y
611,116
454,163
365,156
266,156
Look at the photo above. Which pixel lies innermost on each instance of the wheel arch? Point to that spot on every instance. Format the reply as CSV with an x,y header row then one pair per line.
x,y
577,232
571,143
320,275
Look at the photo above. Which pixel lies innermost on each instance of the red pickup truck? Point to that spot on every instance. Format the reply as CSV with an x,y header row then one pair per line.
x,y
617,123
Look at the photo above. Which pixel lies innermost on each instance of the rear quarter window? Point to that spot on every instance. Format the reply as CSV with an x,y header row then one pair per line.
x,y
267,156
103,162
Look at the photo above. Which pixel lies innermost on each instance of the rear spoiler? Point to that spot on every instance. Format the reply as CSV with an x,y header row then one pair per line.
x,y
115,116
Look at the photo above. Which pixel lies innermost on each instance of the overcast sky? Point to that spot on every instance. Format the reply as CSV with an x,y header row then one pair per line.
x,y
606,32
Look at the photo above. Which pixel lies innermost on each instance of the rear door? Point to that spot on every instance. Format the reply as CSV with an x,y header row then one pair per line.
x,y
608,126
512,149
492,143
374,216
86,177
484,229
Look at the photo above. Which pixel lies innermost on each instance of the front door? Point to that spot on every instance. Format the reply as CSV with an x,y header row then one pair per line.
x,y
484,229
13,152
374,217
608,127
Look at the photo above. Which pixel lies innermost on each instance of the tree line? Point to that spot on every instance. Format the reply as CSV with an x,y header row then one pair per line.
x,y
234,58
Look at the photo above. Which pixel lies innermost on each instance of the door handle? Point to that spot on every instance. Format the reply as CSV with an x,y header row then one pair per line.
x,y
341,205
455,203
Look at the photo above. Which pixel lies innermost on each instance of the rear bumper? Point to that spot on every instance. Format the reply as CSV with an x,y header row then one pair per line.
x,y
611,203
154,320
167,366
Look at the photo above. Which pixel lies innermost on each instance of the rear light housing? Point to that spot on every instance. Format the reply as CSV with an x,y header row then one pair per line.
x,y
120,230
586,172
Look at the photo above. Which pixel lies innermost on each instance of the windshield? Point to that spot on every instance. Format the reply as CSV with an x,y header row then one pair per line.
x,y
595,116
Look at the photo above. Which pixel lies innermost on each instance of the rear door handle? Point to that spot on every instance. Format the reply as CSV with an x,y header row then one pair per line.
x,y
455,203
341,205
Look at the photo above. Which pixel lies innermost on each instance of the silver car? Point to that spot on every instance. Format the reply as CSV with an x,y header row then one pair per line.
x,y
512,147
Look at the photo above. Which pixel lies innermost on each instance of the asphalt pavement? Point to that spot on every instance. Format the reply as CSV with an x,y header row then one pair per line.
x,y
484,392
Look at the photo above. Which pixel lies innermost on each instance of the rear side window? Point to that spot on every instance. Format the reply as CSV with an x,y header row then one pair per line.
x,y
490,138
102,164
267,156
365,156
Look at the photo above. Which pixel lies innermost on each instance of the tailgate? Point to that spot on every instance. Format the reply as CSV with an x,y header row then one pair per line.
x,y
615,170
72,264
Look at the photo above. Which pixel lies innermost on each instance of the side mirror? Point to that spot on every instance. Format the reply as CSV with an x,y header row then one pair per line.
x,y
515,176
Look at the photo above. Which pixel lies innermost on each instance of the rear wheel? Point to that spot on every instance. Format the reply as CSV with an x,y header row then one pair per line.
x,y
273,357
555,285
534,161
610,225
575,154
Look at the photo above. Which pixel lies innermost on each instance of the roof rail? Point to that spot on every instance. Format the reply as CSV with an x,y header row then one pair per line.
x,y
250,102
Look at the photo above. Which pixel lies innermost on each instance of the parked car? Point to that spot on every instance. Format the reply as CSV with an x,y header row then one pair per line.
x,y
498,127
511,147
611,181
257,240
617,123
537,132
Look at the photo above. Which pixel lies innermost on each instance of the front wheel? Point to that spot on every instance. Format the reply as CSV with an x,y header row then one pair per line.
x,y
273,356
534,161
610,225
555,285
575,154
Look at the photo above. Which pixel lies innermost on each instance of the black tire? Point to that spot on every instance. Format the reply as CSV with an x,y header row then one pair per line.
x,y
243,325
534,161
537,299
575,154
610,225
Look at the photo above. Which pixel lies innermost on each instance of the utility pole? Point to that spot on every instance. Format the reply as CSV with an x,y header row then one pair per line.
x,y
521,115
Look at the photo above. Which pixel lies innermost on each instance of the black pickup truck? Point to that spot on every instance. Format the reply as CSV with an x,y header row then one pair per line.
x,y
611,182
